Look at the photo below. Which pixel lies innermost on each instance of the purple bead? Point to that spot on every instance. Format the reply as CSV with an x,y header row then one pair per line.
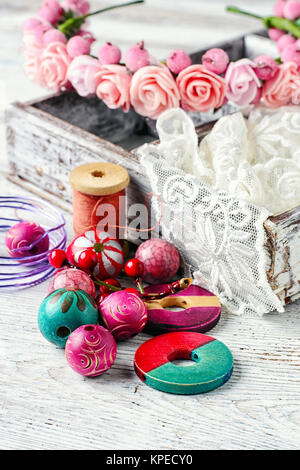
x,y
91,350
22,240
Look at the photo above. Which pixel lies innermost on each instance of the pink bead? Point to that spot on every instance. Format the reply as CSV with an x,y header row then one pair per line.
x,y
50,11
279,7
137,57
54,35
216,60
284,41
275,33
77,46
91,350
291,10
178,60
161,260
266,67
124,314
109,54
72,278
21,236
291,53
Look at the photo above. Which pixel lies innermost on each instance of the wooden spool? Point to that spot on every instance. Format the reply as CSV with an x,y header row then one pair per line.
x,y
95,184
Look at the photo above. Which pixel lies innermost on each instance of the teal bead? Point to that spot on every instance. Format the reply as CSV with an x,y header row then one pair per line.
x,y
63,311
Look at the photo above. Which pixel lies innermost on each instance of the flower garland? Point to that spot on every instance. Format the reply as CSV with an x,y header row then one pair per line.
x,y
57,50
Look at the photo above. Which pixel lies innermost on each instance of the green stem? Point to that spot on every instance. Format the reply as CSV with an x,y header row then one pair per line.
x,y
120,5
271,21
243,12
102,283
72,25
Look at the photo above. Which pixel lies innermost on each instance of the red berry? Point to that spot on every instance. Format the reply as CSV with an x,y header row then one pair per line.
x,y
134,268
101,298
111,282
87,260
57,258
133,291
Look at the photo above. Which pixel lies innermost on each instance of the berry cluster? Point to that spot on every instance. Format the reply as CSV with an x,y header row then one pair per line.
x,y
58,56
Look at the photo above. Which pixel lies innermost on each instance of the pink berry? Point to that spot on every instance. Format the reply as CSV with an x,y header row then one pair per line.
x,y
77,46
109,54
87,36
54,35
216,60
31,24
284,41
291,53
178,60
291,10
275,33
266,67
51,11
279,7
137,57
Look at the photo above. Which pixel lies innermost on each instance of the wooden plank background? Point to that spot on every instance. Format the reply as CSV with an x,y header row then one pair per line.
x,y
43,403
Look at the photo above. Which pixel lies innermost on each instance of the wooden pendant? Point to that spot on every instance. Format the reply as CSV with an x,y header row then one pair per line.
x,y
213,363
200,311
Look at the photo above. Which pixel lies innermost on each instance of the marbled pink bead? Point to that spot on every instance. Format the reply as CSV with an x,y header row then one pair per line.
x,y
284,41
124,314
161,260
91,350
275,33
21,236
74,279
216,60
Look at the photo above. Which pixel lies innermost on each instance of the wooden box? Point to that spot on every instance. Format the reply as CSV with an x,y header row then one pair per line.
x,y
49,137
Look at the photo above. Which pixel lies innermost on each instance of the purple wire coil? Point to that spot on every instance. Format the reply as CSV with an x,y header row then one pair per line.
x,y
37,269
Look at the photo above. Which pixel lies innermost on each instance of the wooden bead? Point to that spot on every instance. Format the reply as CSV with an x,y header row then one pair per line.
x,y
200,310
64,310
213,363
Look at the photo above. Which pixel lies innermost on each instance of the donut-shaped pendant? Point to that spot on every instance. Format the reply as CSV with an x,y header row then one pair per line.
x,y
213,363
200,310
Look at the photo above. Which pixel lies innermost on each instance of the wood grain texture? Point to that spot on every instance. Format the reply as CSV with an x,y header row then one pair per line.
x,y
45,405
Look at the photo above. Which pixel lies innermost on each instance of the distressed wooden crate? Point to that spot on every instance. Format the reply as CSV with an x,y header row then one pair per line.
x,y
47,138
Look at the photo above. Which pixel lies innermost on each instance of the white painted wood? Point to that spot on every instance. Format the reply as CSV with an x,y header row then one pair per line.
x,y
45,405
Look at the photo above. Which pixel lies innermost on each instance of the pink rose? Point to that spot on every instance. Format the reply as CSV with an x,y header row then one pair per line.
x,y
283,88
153,90
32,68
243,85
82,75
200,89
54,66
112,86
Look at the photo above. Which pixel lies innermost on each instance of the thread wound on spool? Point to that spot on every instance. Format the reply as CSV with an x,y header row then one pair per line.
x,y
98,194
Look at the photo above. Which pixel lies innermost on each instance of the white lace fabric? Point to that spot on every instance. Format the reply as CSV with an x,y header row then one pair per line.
x,y
217,195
